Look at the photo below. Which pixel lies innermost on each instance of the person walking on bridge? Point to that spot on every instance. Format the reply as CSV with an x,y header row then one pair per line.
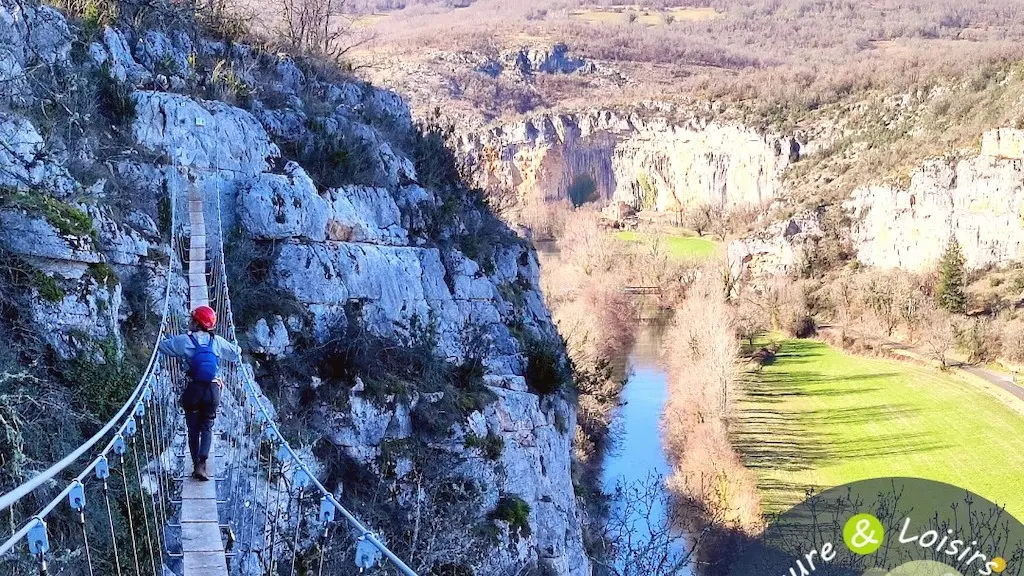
x,y
204,350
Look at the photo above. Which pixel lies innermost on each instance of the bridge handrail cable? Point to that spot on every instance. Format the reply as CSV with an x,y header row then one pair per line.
x,y
253,391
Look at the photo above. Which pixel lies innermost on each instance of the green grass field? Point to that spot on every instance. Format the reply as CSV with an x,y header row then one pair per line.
x,y
819,417
677,246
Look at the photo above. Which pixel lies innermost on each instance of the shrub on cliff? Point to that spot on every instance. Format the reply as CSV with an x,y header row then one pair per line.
x,y
546,369
516,512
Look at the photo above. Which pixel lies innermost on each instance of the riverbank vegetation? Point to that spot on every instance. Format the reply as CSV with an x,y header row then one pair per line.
x,y
716,495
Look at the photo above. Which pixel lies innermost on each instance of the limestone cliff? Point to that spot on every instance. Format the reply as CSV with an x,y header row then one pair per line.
x,y
978,200
640,158
360,243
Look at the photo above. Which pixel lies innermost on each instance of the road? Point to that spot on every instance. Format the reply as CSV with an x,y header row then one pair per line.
x,y
995,378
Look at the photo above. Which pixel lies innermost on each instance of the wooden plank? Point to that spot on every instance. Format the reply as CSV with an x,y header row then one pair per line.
x,y
196,490
201,537
200,510
201,544
205,564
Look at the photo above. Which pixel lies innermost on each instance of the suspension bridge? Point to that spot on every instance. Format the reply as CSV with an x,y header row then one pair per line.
x,y
123,503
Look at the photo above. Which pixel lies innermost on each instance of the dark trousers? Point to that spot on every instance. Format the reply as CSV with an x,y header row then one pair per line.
x,y
200,401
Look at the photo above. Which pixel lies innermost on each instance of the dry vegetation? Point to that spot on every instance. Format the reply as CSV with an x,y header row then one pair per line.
x,y
583,281
802,53
874,87
702,350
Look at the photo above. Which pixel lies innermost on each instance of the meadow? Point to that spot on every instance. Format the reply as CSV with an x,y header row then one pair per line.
x,y
677,246
817,418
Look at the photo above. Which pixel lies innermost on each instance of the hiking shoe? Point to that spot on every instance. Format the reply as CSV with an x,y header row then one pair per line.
x,y
199,473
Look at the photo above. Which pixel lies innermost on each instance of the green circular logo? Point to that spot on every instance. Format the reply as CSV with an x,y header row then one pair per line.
x,y
863,534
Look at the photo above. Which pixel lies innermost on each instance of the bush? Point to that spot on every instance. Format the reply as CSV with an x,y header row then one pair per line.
x,y
802,326
1013,341
546,370
116,102
492,445
67,219
101,385
103,274
48,287
333,159
436,165
249,265
516,512
977,339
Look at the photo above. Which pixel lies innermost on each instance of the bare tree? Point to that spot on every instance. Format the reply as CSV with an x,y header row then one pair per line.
x,y
912,303
881,298
750,322
699,217
645,532
719,221
939,336
318,27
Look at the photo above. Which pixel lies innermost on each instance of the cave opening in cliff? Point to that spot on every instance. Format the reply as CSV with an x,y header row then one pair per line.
x,y
582,189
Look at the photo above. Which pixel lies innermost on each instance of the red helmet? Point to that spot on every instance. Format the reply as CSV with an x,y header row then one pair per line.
x,y
205,317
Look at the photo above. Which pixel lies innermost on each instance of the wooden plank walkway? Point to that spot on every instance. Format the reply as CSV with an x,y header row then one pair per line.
x,y
201,544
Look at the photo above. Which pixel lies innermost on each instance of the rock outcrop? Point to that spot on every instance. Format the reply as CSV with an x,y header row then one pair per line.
x,y
351,239
979,201
640,158
779,249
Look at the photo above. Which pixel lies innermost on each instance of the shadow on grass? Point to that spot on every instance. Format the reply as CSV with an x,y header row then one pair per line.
x,y
770,438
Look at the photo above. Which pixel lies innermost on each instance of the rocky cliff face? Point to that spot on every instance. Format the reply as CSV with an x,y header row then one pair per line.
x,y
322,179
979,201
640,158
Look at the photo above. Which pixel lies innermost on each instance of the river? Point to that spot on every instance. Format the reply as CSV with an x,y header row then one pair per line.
x,y
636,462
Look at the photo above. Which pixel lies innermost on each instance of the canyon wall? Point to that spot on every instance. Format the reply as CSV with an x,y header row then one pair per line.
x,y
638,158
977,200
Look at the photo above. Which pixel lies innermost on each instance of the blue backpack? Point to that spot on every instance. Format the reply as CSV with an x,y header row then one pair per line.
x,y
204,363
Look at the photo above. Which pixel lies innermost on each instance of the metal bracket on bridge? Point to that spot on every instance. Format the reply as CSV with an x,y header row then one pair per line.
x,y
119,446
326,510
76,497
38,541
130,427
140,409
367,553
102,469
283,455
147,394
301,479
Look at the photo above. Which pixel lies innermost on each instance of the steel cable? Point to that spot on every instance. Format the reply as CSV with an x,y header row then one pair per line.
x,y
85,538
110,522
266,499
277,522
295,536
128,505
142,500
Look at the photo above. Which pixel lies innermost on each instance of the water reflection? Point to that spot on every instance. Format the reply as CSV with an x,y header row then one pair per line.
x,y
635,465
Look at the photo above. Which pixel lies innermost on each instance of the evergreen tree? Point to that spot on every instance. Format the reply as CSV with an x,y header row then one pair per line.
x,y
952,275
